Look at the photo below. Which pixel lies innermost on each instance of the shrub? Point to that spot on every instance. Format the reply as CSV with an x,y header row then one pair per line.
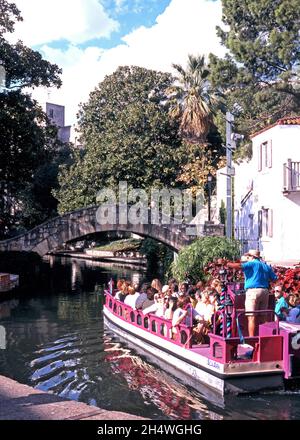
x,y
192,259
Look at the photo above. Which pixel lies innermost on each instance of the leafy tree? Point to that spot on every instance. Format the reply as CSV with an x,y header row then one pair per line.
x,y
261,72
194,103
202,159
28,141
128,136
192,259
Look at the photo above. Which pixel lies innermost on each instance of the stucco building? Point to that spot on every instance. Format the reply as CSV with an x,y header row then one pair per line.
x,y
267,193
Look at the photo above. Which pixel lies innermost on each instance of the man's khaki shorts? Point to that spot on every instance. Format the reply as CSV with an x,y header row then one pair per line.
x,y
256,299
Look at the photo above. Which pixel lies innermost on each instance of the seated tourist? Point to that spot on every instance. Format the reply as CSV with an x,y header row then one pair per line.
x,y
184,313
131,298
171,282
161,305
119,288
123,292
199,286
166,291
174,290
156,284
141,300
213,299
150,304
172,305
204,308
216,285
281,305
293,315
183,289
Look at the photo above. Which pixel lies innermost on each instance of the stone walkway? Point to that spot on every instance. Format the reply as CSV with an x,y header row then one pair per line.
x,y
21,402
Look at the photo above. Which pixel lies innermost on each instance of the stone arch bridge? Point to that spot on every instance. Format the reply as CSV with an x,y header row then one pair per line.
x,y
82,222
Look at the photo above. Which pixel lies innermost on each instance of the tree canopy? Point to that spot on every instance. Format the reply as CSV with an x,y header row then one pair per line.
x,y
28,141
193,100
260,74
128,136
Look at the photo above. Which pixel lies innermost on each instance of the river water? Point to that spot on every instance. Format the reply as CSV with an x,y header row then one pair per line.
x,y
56,341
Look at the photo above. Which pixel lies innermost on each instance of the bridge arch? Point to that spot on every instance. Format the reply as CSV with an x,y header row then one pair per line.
x,y
77,224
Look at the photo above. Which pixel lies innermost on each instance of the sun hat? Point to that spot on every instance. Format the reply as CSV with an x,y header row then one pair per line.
x,y
165,289
253,253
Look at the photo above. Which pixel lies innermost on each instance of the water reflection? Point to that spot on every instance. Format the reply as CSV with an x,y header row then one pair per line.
x,y
56,342
172,398
6,308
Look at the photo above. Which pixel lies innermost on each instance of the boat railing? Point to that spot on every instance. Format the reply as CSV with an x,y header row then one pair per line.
x,y
265,348
180,335
263,315
229,318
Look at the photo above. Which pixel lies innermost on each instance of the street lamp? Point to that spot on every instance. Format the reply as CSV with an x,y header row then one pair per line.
x,y
229,123
209,182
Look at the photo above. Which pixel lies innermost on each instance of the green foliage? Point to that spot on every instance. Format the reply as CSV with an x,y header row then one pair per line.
x,y
8,16
128,136
30,153
192,259
24,67
193,100
261,72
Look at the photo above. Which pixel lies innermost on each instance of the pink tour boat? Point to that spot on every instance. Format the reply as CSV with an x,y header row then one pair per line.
x,y
231,361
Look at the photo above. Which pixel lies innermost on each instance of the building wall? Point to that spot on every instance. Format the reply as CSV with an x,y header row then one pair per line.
x,y
280,212
56,114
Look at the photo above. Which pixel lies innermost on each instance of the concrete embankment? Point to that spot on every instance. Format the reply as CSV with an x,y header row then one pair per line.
x,y
21,402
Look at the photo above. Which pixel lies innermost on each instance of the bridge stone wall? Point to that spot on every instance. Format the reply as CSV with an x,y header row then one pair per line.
x,y
77,224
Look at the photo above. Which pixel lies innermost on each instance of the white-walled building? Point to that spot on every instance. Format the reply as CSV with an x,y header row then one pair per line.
x,y
267,193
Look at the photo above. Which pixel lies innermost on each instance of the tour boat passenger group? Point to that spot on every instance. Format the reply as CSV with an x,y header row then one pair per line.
x,y
214,331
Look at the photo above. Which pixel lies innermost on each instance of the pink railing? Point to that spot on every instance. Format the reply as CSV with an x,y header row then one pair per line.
x,y
153,324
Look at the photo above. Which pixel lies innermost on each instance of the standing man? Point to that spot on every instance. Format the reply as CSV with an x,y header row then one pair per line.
x,y
258,276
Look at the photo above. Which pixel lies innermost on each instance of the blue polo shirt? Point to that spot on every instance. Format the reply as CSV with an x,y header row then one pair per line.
x,y
258,274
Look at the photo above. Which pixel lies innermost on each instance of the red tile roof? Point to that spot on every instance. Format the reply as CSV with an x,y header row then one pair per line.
x,y
290,120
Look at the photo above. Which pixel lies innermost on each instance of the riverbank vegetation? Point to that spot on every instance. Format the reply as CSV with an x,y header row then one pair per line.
x,y
193,259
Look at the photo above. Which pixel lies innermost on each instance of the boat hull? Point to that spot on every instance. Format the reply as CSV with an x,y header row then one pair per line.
x,y
195,371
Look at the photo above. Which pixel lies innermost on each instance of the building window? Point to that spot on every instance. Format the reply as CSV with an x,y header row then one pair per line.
x,y
51,113
265,155
265,223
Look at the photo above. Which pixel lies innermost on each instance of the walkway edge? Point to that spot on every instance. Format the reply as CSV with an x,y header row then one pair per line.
x,y
22,402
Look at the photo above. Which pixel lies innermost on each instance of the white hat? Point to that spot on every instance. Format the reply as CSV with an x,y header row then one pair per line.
x,y
253,253
165,289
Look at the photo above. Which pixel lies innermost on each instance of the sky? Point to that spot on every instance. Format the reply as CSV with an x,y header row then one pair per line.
x,y
89,39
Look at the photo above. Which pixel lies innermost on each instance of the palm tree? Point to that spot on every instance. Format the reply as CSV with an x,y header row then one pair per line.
x,y
192,99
